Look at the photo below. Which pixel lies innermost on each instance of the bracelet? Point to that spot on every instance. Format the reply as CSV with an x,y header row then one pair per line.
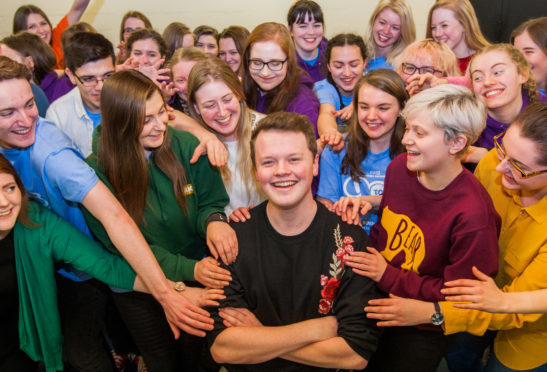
x,y
217,216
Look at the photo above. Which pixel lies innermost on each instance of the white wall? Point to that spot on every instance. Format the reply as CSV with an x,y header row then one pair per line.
x,y
105,15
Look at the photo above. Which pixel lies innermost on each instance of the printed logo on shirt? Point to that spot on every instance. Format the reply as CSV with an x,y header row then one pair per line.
x,y
188,189
372,184
403,235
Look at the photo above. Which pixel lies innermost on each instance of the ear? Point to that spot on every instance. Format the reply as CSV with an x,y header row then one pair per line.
x,y
29,61
457,144
524,76
197,110
316,165
71,76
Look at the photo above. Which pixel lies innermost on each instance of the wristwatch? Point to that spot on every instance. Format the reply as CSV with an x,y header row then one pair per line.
x,y
217,216
437,318
179,286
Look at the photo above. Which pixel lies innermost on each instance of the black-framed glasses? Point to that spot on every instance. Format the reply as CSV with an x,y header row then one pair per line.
x,y
273,65
501,155
410,69
91,81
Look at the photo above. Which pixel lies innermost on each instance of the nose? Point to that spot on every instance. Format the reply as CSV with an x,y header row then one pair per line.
x,y
372,113
407,139
24,117
281,168
503,166
221,109
265,73
346,70
436,33
3,200
488,79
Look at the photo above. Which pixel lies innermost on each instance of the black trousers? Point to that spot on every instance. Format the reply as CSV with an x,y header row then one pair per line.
x,y
145,319
408,349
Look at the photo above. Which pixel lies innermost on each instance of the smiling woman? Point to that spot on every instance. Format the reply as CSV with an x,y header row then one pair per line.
x,y
177,206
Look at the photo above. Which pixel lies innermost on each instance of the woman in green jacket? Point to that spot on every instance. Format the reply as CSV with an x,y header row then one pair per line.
x,y
178,206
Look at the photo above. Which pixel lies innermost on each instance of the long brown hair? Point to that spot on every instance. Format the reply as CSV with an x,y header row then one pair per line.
x,y
21,15
239,35
278,98
123,108
6,167
358,142
214,69
134,14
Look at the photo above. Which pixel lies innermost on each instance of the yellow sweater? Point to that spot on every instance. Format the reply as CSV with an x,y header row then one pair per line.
x,y
521,342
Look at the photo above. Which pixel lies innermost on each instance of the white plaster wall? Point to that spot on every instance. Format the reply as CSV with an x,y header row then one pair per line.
x,y
105,15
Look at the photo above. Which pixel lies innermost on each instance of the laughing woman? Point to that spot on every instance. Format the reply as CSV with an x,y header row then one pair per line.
x,y
33,19
391,28
177,206
272,80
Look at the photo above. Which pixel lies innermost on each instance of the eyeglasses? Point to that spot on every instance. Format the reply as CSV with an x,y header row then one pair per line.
x,y
515,166
410,69
91,81
273,65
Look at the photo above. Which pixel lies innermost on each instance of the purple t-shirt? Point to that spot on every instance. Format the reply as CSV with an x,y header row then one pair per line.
x,y
55,87
494,127
304,102
317,71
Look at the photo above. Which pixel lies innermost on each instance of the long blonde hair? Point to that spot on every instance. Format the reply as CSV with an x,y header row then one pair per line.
x,y
214,69
465,14
408,30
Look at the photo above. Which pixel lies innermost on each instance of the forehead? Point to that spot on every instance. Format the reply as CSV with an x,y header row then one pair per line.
x,y
212,89
154,103
491,58
227,43
418,57
280,143
182,68
267,50
370,94
421,118
207,39
345,52
14,93
442,14
35,18
389,15
134,22
519,148
11,53
98,67
146,44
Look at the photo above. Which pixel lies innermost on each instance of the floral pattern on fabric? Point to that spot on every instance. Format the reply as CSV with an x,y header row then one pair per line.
x,y
337,267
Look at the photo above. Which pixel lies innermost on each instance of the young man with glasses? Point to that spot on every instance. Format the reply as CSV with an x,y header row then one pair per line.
x,y
89,58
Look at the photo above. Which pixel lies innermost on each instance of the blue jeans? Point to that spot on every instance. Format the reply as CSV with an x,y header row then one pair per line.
x,y
494,365
464,351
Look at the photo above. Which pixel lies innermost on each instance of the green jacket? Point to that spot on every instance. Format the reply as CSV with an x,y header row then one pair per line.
x,y
176,239
37,250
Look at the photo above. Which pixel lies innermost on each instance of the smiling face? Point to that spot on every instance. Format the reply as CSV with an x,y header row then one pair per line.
x,y
447,29
18,114
145,52
91,95
535,56
10,203
427,150
496,81
307,35
285,168
132,24
36,24
155,123
377,112
208,45
266,51
219,108
524,152
180,72
229,54
346,66
386,30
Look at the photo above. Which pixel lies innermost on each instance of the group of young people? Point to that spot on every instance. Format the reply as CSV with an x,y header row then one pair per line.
x,y
286,201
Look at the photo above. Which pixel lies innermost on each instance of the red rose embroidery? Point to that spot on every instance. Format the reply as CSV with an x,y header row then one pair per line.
x,y
324,280
348,240
324,306
340,252
330,289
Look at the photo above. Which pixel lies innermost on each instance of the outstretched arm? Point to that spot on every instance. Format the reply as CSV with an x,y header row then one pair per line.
x,y
128,239
77,10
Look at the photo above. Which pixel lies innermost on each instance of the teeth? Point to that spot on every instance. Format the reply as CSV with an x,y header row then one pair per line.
x,y
22,131
2,214
374,125
412,152
225,120
382,37
492,92
284,184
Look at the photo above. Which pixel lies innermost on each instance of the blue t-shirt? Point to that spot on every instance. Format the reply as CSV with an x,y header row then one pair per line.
x,y
377,63
311,62
95,117
333,184
327,93
54,173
